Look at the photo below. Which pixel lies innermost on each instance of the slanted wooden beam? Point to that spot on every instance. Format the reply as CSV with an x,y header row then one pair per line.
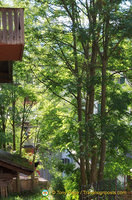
x,y
7,176
16,168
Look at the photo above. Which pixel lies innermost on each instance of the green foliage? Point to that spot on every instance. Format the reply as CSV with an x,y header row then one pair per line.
x,y
60,37
50,55
71,184
25,196
58,187
66,168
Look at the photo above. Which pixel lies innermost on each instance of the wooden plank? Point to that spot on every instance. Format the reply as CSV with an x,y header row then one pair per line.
x,y
15,25
0,26
15,22
22,25
10,20
3,191
18,27
7,176
4,182
11,52
21,51
4,25
7,27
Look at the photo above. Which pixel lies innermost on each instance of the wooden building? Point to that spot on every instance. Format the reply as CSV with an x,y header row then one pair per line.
x,y
11,40
6,72
10,166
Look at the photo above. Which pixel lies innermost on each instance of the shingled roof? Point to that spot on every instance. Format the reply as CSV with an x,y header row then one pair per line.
x,y
15,162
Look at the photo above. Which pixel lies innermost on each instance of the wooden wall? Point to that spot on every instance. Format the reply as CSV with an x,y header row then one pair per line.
x,y
25,184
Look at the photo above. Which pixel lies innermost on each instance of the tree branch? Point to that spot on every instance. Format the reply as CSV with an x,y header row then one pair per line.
x,y
118,72
52,90
73,156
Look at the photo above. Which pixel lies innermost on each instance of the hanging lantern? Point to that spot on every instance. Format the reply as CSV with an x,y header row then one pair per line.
x,y
29,149
29,146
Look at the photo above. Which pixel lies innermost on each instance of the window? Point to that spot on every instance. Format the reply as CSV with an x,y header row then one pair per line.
x,y
65,160
99,108
121,80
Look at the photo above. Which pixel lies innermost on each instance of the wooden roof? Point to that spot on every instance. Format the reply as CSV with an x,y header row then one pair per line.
x,y
15,163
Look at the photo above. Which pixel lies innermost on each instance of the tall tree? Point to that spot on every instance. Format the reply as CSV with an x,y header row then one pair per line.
x,y
70,49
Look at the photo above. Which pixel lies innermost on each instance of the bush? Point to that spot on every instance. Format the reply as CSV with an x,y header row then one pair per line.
x,y
72,184
58,187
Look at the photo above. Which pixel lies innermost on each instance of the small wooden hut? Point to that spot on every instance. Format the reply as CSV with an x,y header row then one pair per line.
x,y
10,166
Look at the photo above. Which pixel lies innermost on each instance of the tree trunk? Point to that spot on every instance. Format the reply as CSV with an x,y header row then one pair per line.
x,y
87,155
90,113
102,159
104,59
82,162
3,130
103,110
93,177
13,125
79,97
22,128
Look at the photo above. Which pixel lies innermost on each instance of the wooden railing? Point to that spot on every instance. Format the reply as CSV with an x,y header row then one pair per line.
x,y
11,26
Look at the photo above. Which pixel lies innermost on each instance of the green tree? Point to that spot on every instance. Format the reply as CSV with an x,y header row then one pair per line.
x,y
78,40
75,49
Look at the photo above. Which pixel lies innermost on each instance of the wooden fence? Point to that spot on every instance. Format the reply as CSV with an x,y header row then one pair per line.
x,y
26,185
106,190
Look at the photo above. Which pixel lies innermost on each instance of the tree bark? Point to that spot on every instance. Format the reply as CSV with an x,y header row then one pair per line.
x,y
90,113
87,154
79,97
104,59
13,125
102,159
3,128
103,111
93,177
22,128
82,161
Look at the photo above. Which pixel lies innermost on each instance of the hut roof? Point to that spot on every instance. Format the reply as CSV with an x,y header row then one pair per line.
x,y
15,162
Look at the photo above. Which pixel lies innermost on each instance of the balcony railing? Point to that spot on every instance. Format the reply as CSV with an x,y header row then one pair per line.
x,y
11,33
11,26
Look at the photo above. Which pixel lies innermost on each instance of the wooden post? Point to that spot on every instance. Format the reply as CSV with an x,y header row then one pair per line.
x,y
18,183
3,190
32,181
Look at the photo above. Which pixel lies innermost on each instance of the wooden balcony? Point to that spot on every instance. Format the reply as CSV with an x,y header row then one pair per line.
x,y
11,34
